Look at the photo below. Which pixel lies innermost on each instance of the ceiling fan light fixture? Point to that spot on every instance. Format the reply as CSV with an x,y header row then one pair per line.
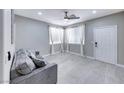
x,y
65,19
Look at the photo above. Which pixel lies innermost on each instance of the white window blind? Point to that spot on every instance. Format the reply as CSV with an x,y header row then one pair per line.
x,y
56,35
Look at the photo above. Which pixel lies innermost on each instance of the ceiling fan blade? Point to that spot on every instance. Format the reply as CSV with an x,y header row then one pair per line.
x,y
70,17
74,17
77,17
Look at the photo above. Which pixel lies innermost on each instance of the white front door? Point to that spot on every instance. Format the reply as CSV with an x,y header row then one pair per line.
x,y
105,44
8,46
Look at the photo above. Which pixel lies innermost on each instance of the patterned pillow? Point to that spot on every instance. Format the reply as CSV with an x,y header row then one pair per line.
x,y
22,61
23,69
29,53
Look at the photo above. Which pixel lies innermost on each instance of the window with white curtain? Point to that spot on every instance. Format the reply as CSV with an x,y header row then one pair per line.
x,y
75,35
56,35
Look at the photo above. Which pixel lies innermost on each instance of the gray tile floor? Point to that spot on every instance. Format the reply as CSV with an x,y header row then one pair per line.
x,y
73,69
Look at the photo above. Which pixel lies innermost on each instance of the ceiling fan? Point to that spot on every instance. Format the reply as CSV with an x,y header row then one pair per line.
x,y
73,16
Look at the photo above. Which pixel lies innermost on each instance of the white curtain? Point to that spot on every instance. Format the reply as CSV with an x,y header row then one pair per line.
x,y
56,36
76,35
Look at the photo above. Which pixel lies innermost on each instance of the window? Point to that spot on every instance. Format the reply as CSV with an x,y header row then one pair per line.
x,y
75,35
56,35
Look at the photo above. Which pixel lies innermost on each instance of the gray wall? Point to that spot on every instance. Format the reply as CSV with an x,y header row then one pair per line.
x,y
32,34
74,48
115,19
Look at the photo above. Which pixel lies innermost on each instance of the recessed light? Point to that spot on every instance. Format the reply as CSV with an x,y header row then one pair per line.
x,y
39,13
94,11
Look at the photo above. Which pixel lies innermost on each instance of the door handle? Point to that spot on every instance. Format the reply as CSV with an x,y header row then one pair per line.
x,y
96,44
9,56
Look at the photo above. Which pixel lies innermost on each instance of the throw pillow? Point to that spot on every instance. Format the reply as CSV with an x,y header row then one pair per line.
x,y
23,60
23,69
38,62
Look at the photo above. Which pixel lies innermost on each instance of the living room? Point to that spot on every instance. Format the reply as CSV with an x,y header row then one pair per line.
x,y
68,42
61,46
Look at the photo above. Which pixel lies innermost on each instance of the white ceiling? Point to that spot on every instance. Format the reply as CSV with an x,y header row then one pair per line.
x,y
56,16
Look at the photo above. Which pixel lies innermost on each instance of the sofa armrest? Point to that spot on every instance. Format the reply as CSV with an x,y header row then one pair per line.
x,y
43,75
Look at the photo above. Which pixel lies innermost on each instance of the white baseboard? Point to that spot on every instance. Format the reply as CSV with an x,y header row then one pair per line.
x,y
52,54
119,65
89,57
56,52
75,53
46,55
81,55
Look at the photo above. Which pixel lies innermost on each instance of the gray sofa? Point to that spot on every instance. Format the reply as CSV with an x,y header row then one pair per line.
x,y
43,75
